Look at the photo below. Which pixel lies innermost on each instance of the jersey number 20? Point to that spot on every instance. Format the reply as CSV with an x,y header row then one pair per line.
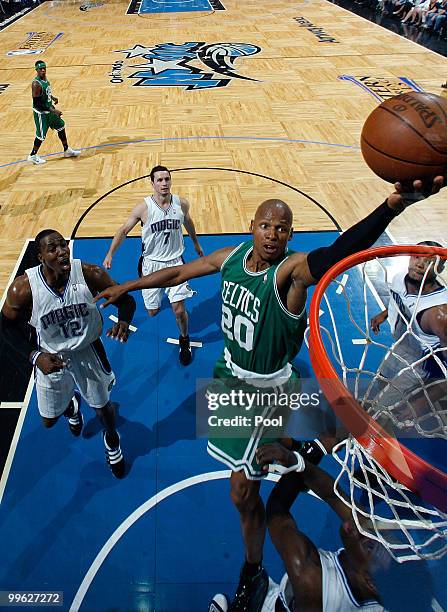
x,y
238,328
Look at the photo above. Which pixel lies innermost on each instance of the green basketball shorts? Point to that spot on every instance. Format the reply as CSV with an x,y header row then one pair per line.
x,y
44,121
236,431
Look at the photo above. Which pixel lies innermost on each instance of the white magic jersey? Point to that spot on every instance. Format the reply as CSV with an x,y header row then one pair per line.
x,y
409,305
336,592
67,322
162,233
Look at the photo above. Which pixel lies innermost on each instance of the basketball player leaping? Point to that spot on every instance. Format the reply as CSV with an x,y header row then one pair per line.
x,y
56,297
162,215
46,115
264,292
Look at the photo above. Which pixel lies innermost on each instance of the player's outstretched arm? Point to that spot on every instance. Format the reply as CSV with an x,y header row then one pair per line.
x,y
302,270
135,217
97,280
364,234
298,552
168,277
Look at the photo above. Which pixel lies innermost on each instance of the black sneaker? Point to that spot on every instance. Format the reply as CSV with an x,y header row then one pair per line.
x,y
75,421
251,592
114,456
185,354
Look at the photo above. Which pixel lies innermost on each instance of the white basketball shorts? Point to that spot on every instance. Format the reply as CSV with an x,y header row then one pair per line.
x,y
88,369
152,297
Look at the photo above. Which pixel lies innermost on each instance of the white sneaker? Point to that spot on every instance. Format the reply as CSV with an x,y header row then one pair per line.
x,y
71,153
35,159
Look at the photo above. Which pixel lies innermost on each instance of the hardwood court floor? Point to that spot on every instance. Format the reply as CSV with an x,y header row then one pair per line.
x,y
294,121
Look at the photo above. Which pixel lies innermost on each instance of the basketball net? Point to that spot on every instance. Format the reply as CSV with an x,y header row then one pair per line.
x,y
382,391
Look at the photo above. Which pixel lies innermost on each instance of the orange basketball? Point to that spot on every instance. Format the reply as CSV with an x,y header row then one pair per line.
x,y
405,138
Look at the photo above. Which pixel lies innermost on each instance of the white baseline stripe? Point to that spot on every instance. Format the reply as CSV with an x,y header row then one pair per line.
x,y
134,517
15,439
435,606
24,405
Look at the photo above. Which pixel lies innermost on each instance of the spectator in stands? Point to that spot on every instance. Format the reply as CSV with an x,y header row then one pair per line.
x,y
436,17
417,15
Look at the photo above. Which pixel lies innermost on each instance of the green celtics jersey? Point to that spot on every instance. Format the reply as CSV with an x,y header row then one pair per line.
x,y
260,334
45,96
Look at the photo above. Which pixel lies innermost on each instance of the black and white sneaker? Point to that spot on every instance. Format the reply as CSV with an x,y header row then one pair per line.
x,y
75,420
219,603
185,354
114,456
251,592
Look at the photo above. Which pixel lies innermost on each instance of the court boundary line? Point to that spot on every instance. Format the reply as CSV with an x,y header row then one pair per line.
x,y
21,406
263,176
15,438
132,518
183,138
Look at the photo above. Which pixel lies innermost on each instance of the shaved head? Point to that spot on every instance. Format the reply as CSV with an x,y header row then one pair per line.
x,y
274,207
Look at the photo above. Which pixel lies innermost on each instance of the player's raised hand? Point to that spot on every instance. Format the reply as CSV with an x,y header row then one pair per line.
x,y
377,321
49,362
405,194
107,263
120,331
111,295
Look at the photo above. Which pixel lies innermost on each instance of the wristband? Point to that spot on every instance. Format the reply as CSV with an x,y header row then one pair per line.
x,y
35,357
299,466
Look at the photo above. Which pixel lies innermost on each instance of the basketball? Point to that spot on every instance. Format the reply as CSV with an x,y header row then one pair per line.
x,y
405,138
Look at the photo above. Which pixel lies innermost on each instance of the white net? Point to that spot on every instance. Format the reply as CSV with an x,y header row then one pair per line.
x,y
385,510
400,374
375,330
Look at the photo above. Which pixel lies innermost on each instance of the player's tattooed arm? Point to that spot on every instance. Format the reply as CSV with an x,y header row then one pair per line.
x,y
97,280
18,334
168,277
190,227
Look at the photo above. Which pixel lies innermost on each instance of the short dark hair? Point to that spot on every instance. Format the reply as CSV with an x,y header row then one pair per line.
x,y
158,169
429,243
40,236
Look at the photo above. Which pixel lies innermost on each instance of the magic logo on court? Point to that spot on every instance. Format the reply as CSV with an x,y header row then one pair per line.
x,y
192,65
